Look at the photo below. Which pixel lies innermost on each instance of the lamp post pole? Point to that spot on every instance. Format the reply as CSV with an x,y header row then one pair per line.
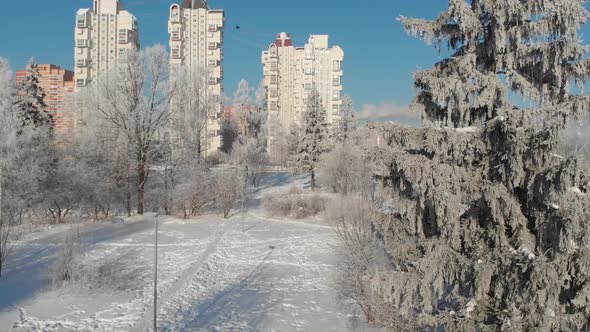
x,y
156,274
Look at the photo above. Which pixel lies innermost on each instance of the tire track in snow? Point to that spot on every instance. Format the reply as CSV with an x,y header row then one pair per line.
x,y
183,281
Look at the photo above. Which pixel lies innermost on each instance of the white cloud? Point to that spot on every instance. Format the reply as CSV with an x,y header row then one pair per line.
x,y
388,111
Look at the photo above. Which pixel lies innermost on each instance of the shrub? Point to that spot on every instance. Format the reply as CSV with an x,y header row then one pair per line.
x,y
295,204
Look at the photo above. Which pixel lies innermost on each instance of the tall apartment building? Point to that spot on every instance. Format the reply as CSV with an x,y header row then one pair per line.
x,y
291,73
104,33
58,85
196,42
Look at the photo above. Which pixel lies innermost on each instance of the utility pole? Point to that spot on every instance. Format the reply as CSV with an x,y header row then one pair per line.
x,y
156,274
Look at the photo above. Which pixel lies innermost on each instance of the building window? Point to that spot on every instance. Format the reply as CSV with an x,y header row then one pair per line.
x,y
176,52
81,21
81,63
123,36
274,93
176,34
308,71
337,65
336,81
336,95
81,43
274,79
335,109
212,45
175,15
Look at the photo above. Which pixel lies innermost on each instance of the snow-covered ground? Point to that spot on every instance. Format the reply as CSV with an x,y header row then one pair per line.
x,y
248,273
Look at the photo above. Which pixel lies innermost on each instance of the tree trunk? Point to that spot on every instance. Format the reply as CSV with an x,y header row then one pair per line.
x,y
141,179
140,187
312,180
128,196
166,191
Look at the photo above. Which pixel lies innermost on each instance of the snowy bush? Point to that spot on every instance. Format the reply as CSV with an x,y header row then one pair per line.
x,y
228,186
345,169
192,195
66,265
295,204
360,254
111,274
251,153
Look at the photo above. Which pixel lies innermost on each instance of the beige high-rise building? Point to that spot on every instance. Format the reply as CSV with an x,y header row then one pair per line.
x,y
196,42
291,73
104,33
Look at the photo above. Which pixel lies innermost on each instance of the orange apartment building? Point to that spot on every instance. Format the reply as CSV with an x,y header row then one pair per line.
x,y
59,87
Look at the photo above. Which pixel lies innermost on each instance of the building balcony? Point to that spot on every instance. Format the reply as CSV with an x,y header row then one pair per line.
x,y
82,63
213,46
176,53
213,133
213,28
82,43
81,22
123,37
214,80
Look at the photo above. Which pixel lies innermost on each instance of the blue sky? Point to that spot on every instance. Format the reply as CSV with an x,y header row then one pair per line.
x,y
379,56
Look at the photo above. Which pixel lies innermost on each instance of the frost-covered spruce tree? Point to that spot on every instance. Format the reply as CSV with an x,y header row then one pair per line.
x,y
490,228
29,102
314,136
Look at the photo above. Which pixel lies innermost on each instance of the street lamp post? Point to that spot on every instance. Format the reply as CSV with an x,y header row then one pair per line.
x,y
156,274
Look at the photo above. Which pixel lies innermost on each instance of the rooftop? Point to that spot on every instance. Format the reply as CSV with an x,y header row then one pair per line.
x,y
195,4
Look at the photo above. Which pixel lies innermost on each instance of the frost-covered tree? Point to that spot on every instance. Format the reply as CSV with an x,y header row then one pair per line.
x,y
489,227
293,138
345,169
278,146
182,146
134,98
227,188
347,120
314,136
251,153
105,151
248,110
30,104
190,107
8,130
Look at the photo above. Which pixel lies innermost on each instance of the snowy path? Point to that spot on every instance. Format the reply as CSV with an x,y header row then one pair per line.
x,y
251,274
